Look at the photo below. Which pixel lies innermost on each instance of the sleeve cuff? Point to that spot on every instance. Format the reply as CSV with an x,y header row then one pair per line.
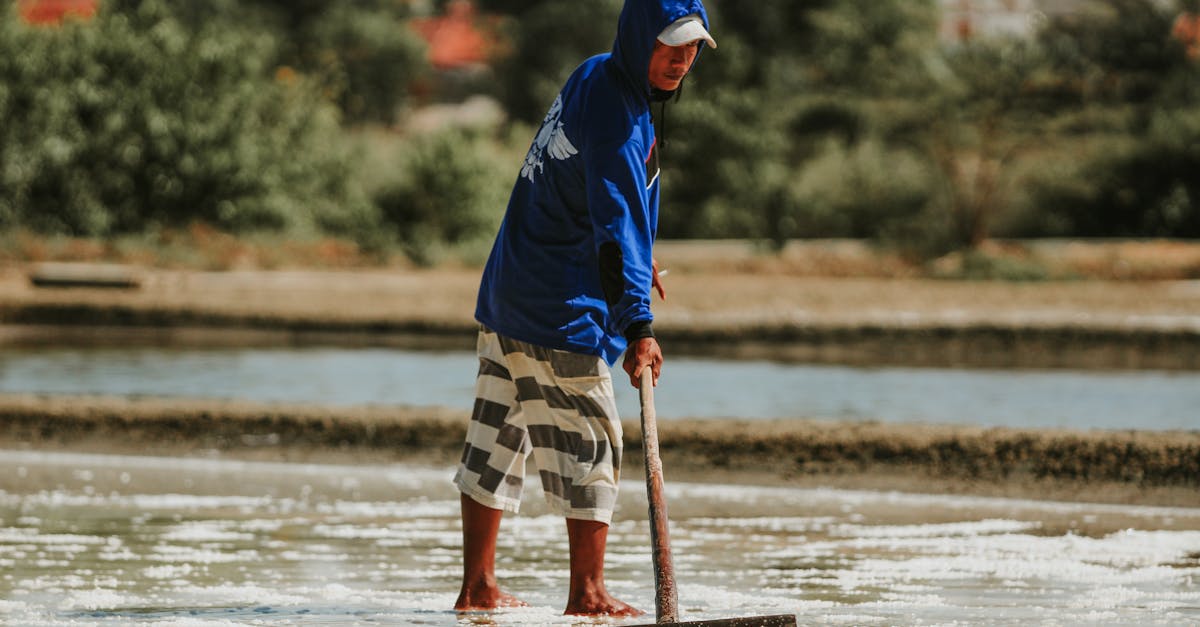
x,y
638,330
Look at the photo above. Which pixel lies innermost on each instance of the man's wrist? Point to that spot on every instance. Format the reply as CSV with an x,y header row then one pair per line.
x,y
638,331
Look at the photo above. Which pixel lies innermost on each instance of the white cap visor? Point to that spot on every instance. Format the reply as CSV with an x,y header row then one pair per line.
x,y
684,31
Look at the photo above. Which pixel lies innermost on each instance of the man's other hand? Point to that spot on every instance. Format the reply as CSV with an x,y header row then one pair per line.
x,y
656,281
641,354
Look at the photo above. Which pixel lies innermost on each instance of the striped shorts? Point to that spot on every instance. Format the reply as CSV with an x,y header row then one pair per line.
x,y
555,404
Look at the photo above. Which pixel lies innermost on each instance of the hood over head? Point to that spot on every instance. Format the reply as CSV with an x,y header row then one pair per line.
x,y
640,24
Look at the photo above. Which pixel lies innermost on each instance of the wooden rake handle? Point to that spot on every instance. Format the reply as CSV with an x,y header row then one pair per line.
x,y
666,600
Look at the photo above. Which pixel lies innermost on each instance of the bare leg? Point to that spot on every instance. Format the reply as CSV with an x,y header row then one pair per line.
x,y
481,525
588,595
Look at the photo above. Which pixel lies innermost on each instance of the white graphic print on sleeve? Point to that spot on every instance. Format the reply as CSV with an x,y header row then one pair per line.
x,y
550,139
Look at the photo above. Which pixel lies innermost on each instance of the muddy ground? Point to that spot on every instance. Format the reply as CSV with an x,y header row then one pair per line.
x,y
1096,466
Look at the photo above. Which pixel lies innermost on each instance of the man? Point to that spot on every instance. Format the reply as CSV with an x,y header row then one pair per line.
x,y
565,292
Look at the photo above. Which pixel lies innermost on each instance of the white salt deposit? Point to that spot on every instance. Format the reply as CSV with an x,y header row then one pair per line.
x,y
26,535
971,528
110,540
95,599
205,531
169,571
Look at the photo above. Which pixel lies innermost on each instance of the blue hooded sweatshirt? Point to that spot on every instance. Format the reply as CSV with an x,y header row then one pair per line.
x,y
571,268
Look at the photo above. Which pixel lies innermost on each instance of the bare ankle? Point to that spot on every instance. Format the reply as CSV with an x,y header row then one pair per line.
x,y
594,600
479,582
484,594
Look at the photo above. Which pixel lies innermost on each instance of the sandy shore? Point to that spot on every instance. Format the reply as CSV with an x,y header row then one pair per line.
x,y
1095,466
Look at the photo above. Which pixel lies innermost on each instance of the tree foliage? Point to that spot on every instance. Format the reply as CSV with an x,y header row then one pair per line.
x,y
1138,179
361,53
451,194
822,118
790,88
137,120
851,118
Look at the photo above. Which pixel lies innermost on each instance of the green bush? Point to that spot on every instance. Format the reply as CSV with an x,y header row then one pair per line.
x,y
362,54
863,190
978,265
452,194
133,121
876,46
723,161
369,58
785,79
1131,187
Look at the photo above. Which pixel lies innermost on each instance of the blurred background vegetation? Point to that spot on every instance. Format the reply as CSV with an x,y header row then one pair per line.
x,y
384,129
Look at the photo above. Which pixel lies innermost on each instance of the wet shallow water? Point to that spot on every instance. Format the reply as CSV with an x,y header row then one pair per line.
x,y
690,387
103,540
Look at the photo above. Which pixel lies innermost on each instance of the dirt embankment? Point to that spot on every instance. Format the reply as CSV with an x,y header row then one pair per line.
x,y
736,309
1121,467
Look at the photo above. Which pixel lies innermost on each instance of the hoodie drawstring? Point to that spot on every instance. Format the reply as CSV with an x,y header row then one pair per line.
x,y
662,117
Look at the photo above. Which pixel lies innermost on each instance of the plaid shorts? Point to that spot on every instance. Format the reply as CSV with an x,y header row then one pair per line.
x,y
555,404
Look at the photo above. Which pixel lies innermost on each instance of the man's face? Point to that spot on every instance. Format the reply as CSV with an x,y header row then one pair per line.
x,y
669,64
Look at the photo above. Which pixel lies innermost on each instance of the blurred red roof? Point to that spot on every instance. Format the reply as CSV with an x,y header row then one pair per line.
x,y
455,39
53,11
1187,30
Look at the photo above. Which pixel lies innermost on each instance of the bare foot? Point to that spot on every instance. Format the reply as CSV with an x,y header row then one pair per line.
x,y
490,598
601,604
